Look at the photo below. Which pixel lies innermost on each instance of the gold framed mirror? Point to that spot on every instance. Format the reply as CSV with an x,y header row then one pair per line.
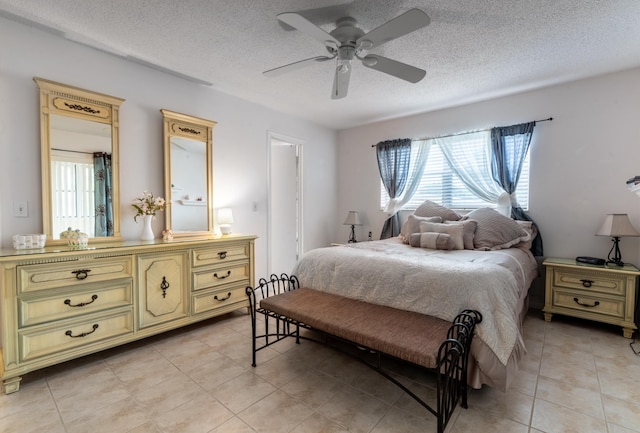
x,y
188,174
79,134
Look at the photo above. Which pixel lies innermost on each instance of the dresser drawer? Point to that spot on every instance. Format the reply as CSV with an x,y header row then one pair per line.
x,y
47,340
220,276
93,298
593,281
31,278
226,299
592,303
220,254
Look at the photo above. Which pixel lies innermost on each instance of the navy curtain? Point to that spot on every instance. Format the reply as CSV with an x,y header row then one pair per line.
x,y
510,145
103,194
394,157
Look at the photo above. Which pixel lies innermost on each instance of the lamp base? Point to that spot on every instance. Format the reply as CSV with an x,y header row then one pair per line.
x,y
617,257
225,229
352,236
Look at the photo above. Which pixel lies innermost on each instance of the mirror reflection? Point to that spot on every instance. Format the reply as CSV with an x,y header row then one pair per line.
x,y
188,185
80,174
188,163
81,177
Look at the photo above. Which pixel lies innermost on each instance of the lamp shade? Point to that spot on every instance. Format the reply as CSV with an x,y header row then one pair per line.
x,y
352,219
225,216
617,225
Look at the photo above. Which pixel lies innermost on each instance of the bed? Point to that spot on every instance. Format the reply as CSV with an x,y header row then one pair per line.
x,y
440,282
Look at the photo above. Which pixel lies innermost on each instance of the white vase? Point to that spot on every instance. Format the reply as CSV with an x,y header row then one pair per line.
x,y
147,232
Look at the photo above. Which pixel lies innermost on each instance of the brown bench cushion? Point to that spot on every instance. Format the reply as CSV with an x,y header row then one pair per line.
x,y
403,334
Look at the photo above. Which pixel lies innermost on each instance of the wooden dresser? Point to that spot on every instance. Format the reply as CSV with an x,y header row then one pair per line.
x,y
58,303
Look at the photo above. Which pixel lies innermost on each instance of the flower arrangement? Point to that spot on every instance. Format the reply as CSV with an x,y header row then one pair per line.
x,y
148,205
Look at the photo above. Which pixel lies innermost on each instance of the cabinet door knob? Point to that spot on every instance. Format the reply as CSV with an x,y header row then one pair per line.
x,y
577,301
587,283
164,285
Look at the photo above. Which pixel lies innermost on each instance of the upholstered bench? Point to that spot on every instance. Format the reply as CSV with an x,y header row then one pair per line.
x,y
415,338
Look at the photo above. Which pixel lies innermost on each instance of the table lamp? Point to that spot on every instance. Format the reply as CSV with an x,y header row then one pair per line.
x,y
353,221
616,225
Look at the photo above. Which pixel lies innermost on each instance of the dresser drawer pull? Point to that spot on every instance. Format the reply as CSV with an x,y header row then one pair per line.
x,y
81,274
223,299
587,283
223,276
84,334
595,304
222,255
81,304
164,285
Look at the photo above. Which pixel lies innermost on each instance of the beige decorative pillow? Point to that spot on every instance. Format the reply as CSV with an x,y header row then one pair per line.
x,y
432,240
430,209
455,231
468,231
495,231
412,225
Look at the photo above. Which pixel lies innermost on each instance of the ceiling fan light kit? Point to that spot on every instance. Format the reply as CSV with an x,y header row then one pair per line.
x,y
348,42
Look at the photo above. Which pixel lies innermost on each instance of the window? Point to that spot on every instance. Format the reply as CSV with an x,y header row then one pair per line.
x,y
73,192
441,185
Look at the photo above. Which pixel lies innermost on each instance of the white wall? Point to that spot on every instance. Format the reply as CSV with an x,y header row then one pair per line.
x,y
579,162
240,137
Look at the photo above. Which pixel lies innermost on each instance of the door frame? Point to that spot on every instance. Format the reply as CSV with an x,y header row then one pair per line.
x,y
298,145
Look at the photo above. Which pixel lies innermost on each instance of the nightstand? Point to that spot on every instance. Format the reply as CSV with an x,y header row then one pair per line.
x,y
601,293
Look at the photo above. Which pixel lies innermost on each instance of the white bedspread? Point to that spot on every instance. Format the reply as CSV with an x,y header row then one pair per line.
x,y
432,282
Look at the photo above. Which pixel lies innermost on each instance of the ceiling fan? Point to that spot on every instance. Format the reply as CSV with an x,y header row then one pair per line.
x,y
347,42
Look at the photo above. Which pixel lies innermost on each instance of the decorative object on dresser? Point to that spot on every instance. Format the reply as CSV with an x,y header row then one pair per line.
x,y
60,303
225,219
617,226
352,220
596,292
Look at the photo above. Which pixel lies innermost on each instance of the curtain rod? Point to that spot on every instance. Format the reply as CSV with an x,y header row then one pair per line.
x,y
73,151
467,132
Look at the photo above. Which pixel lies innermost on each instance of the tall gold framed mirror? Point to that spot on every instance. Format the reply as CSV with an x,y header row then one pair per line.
x,y
79,134
188,174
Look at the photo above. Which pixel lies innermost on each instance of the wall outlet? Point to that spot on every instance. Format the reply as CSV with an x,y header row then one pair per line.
x,y
21,209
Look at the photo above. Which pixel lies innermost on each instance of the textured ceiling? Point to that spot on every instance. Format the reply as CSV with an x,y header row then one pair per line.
x,y
472,50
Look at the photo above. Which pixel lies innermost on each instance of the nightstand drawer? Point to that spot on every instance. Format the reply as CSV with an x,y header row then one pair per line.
x,y
606,306
590,280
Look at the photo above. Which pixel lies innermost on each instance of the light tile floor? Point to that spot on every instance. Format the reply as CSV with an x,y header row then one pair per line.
x,y
578,376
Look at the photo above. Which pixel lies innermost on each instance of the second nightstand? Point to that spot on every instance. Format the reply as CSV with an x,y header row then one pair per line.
x,y
601,293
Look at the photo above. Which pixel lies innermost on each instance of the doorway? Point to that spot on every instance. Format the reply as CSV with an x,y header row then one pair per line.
x,y
284,222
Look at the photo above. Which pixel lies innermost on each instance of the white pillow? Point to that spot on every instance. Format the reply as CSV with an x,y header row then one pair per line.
x,y
468,231
453,230
412,225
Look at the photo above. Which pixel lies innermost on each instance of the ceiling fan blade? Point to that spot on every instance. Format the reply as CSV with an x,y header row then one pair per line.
x,y
304,25
408,22
341,82
393,67
295,65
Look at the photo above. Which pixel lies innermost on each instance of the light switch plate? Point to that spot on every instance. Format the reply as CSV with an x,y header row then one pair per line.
x,y
21,209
